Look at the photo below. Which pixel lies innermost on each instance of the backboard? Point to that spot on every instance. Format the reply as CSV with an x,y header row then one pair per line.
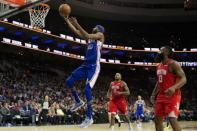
x,y
9,8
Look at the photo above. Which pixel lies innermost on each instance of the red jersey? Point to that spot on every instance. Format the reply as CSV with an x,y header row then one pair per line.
x,y
166,79
117,86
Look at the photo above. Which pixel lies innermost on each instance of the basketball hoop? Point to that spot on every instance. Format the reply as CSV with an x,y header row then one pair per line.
x,y
38,15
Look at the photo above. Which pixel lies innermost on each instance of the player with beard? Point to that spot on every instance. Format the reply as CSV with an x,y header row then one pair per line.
x,y
167,94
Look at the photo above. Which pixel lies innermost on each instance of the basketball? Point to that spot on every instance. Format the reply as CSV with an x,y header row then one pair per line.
x,y
64,10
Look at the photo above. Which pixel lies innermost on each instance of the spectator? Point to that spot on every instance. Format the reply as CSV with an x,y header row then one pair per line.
x,y
52,114
25,83
45,108
26,109
60,114
5,111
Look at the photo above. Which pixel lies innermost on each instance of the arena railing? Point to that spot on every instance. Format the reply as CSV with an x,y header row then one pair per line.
x,y
79,57
83,42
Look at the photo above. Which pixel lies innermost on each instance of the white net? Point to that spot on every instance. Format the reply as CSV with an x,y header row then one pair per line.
x,y
38,15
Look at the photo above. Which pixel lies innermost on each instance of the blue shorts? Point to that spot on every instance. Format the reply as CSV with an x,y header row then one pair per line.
x,y
89,72
139,114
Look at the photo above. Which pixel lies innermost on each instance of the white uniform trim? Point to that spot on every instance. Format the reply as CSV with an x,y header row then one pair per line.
x,y
97,71
172,114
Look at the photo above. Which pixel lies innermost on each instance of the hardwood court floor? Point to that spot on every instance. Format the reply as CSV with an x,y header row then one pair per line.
x,y
187,126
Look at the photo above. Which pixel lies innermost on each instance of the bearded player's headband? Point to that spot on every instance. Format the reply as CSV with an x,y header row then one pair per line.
x,y
100,28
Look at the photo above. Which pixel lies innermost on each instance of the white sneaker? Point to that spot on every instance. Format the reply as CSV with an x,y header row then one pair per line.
x,y
77,106
139,125
130,127
83,123
86,123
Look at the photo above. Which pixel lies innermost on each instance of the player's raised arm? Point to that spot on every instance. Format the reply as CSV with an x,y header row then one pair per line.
x,y
72,27
96,36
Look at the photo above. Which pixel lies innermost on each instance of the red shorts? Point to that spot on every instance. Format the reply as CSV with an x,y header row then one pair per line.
x,y
115,106
168,107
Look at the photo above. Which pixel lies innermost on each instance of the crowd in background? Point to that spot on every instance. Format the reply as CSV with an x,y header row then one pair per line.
x,y
24,86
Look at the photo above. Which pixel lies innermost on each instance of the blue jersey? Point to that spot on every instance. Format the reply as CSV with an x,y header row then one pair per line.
x,y
93,53
140,105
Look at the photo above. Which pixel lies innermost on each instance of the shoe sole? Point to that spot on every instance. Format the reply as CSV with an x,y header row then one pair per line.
x,y
87,125
78,107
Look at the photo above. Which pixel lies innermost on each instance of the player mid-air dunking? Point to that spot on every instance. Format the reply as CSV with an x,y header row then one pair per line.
x,y
117,91
167,95
89,69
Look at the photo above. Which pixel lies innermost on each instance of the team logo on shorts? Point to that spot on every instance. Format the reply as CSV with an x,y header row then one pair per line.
x,y
90,46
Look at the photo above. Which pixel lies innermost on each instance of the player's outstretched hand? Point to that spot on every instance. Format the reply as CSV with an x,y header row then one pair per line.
x,y
74,21
66,19
170,91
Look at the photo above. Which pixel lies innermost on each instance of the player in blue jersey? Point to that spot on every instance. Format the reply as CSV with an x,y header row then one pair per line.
x,y
139,110
89,70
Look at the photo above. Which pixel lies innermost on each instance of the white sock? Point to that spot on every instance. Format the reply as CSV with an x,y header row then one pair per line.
x,y
112,128
129,125
117,118
109,116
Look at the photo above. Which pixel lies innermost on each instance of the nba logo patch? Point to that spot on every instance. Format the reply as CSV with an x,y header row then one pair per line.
x,y
90,46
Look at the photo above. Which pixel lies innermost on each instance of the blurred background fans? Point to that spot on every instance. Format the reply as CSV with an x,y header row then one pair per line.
x,y
190,4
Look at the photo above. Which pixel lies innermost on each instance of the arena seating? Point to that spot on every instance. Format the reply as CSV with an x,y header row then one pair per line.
x,y
24,83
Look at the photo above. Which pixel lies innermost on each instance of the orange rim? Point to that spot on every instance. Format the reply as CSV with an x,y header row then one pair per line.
x,y
43,4
37,10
